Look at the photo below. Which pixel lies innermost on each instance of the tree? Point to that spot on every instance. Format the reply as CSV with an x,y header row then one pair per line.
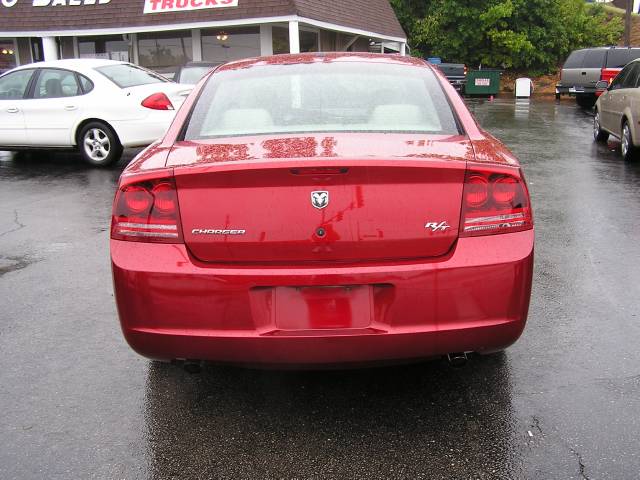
x,y
518,34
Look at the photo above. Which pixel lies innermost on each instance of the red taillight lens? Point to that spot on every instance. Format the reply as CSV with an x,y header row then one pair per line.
x,y
494,202
137,199
164,198
476,191
504,190
147,212
157,101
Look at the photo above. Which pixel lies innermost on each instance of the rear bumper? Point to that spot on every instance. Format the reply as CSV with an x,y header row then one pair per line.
x,y
575,90
474,300
143,132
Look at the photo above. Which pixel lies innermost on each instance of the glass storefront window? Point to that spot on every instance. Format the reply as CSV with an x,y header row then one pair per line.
x,y
309,40
222,45
7,54
110,47
164,51
280,37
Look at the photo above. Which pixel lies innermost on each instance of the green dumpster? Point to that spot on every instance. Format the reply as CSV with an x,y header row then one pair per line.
x,y
483,82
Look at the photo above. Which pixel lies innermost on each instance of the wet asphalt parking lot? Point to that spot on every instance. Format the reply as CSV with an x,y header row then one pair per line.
x,y
562,403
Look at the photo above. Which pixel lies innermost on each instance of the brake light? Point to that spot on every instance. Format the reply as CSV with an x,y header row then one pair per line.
x,y
477,190
609,74
494,201
147,212
157,101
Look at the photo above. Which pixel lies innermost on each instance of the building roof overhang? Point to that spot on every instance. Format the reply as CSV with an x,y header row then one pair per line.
x,y
372,18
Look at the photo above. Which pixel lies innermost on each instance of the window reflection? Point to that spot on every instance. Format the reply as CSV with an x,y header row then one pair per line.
x,y
222,45
164,51
111,47
7,54
309,40
280,37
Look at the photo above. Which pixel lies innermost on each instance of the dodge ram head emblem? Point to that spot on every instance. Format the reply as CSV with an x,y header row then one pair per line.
x,y
320,199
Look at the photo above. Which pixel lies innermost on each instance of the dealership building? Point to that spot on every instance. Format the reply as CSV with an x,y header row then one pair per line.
x,y
163,34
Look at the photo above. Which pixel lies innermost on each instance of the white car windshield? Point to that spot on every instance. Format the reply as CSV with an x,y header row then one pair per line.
x,y
321,97
126,75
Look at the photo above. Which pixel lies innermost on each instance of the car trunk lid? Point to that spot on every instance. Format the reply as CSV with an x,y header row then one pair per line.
x,y
292,210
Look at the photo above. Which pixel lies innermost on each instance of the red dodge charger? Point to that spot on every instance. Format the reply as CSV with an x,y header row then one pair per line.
x,y
322,209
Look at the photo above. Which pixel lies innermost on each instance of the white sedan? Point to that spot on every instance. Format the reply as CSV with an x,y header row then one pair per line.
x,y
96,106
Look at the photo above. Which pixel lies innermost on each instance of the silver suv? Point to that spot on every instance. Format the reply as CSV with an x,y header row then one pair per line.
x,y
585,67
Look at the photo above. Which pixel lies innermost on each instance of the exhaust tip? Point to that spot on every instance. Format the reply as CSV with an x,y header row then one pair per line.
x,y
457,359
192,366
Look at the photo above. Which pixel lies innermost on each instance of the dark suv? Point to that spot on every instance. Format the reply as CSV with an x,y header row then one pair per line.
x,y
584,68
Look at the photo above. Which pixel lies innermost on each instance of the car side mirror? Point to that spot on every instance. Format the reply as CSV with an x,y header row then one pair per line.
x,y
602,85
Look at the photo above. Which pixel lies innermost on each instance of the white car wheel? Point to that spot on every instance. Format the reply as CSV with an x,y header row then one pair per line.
x,y
99,145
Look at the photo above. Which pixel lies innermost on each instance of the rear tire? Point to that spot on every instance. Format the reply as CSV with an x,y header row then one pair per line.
x,y
99,145
627,149
586,101
599,135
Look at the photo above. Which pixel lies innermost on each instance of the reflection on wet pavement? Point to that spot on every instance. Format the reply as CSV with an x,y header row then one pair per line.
x,y
416,421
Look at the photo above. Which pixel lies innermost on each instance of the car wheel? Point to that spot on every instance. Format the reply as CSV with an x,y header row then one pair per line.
x,y
626,143
599,135
99,145
586,101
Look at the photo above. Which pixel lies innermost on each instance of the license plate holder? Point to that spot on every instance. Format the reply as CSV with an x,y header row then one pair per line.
x,y
324,307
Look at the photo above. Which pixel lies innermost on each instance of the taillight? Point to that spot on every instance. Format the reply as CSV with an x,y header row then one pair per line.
x,y
147,212
157,101
494,202
465,70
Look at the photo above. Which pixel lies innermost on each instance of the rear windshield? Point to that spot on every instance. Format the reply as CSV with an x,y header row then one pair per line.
x,y
594,59
321,97
125,75
575,59
192,75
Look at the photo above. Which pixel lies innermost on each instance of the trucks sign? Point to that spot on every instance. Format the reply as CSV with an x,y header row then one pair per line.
x,y
161,6
54,3
150,6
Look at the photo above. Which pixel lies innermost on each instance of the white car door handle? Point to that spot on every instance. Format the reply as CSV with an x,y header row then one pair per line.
x,y
13,110
70,107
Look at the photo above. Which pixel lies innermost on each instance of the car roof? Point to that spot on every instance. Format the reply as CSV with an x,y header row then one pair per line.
x,y
202,64
613,47
72,63
323,57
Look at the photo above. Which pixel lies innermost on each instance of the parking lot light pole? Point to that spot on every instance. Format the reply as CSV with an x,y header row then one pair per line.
x,y
627,24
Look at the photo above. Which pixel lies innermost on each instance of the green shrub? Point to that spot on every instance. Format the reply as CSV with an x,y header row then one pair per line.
x,y
519,34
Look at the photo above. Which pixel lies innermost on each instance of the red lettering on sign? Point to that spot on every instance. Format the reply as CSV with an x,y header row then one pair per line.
x,y
196,3
226,2
154,4
167,4
211,3
182,3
